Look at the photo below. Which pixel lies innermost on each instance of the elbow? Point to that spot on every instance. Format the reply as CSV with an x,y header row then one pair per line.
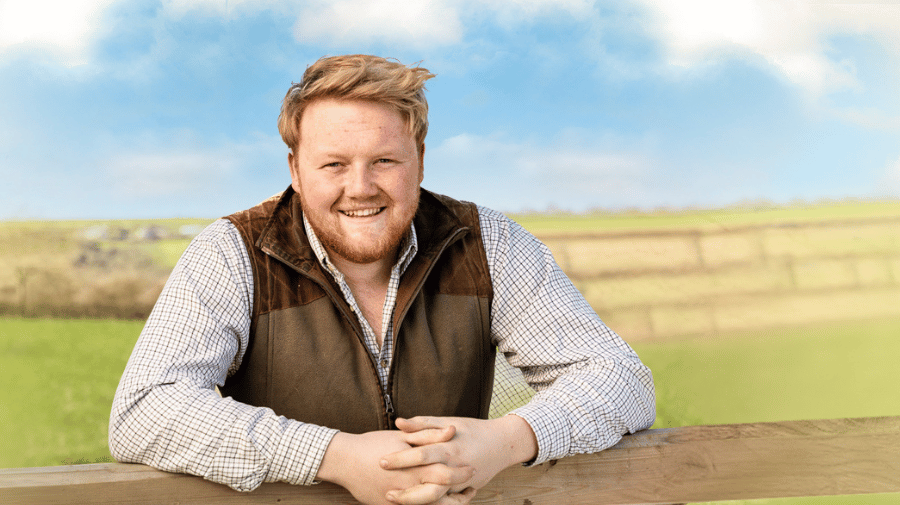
x,y
121,450
642,403
648,400
129,435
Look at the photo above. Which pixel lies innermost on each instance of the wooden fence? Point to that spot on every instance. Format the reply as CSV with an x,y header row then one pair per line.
x,y
675,465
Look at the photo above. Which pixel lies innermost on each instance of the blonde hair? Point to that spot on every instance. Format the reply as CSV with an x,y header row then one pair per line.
x,y
358,77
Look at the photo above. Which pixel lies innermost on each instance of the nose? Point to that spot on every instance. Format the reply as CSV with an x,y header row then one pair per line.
x,y
360,182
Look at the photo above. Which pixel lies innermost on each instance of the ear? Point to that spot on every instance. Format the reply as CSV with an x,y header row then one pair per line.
x,y
421,163
295,173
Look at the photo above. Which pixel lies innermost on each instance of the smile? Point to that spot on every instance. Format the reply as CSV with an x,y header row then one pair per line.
x,y
362,212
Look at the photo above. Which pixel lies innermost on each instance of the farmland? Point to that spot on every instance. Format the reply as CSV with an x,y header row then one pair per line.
x,y
62,374
744,315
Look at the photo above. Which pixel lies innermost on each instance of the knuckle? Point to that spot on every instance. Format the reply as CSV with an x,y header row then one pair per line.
x,y
449,452
442,475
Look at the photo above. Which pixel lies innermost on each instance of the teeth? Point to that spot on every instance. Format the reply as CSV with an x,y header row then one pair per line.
x,y
362,212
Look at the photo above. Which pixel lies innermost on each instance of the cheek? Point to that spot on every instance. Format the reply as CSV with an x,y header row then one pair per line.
x,y
409,185
319,192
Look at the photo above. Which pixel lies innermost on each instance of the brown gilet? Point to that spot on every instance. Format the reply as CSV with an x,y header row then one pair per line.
x,y
307,359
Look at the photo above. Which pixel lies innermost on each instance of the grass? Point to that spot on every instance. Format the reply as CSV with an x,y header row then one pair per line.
x,y
834,371
61,375
59,380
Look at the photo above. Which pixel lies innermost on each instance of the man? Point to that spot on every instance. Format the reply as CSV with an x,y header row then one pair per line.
x,y
356,302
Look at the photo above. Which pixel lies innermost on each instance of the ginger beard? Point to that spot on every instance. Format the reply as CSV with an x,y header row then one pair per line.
x,y
383,241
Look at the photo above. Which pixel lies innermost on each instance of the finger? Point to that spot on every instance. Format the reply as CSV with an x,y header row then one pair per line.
x,y
417,495
419,423
429,436
430,493
452,476
461,498
416,456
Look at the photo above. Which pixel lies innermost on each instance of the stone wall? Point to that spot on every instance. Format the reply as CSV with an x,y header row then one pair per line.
x,y
651,285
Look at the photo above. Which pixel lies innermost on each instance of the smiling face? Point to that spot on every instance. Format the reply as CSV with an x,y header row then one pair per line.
x,y
357,171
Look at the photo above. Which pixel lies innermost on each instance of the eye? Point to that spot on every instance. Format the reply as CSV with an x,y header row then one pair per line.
x,y
385,160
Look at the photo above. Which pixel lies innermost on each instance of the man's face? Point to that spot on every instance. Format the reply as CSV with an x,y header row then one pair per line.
x,y
357,171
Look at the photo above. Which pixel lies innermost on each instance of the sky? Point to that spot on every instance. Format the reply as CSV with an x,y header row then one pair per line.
x,y
116,109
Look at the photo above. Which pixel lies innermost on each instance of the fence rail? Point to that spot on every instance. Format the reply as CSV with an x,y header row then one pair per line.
x,y
675,465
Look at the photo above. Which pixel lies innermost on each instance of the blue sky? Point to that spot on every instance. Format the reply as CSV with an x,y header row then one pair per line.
x,y
167,108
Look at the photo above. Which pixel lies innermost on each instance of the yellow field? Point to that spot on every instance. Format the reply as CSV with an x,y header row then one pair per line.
x,y
651,276
704,274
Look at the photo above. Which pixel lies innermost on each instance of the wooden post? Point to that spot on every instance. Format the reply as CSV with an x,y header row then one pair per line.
x,y
676,465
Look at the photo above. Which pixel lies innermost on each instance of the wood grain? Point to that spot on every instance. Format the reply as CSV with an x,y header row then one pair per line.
x,y
677,465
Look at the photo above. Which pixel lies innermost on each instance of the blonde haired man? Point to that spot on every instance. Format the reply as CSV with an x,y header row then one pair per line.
x,y
352,323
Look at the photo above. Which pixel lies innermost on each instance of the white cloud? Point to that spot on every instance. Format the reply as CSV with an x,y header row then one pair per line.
x,y
66,29
870,117
525,175
425,23
347,23
178,166
223,8
791,35
63,28
157,174
891,180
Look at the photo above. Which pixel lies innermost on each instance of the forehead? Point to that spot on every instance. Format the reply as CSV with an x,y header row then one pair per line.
x,y
327,122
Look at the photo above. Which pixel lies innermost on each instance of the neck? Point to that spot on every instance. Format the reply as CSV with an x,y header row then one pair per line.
x,y
375,273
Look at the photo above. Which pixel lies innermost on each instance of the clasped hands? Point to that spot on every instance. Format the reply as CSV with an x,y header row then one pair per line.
x,y
430,460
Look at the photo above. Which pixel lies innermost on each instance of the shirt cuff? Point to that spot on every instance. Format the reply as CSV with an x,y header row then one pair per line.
x,y
551,428
299,453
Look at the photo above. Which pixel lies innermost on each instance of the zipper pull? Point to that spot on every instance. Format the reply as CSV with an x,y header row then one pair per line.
x,y
388,404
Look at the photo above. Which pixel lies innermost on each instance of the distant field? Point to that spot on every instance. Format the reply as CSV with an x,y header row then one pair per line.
x,y
62,375
116,268
88,268
565,223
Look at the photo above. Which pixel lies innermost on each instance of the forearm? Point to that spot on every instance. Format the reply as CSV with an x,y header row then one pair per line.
x,y
333,465
592,388
182,428
166,412
589,407
516,440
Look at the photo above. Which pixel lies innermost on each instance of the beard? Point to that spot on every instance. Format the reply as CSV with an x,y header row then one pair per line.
x,y
335,241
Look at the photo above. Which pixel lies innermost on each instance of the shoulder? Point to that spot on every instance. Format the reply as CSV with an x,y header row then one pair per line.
x,y
220,239
273,212
261,211
219,230
497,227
442,207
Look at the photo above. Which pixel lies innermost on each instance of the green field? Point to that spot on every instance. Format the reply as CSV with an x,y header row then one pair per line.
x,y
736,216
60,377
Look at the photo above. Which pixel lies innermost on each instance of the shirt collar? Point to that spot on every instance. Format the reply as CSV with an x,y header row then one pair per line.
x,y
409,245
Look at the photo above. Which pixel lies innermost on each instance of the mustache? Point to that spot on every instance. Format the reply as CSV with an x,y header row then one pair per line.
x,y
350,204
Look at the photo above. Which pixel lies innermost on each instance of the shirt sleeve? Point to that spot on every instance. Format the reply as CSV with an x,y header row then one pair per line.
x,y
591,387
167,413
